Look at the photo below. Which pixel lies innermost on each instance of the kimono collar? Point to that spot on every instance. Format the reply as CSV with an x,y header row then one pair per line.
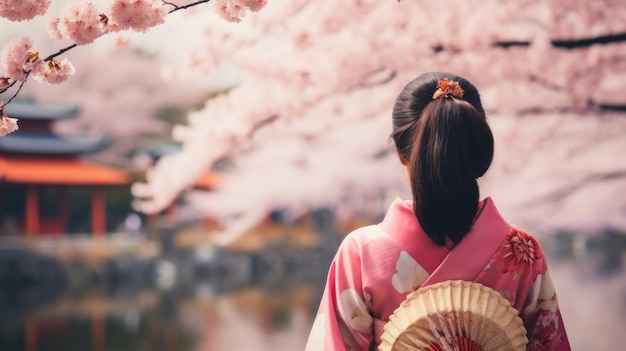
x,y
401,225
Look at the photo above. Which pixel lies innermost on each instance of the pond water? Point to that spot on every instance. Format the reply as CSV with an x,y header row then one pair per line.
x,y
272,314
593,305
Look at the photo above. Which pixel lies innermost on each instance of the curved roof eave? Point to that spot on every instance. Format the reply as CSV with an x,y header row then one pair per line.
x,y
50,144
57,171
40,111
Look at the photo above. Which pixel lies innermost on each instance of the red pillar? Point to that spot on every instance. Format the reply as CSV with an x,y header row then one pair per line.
x,y
171,338
98,212
64,211
2,202
153,334
98,331
32,335
32,211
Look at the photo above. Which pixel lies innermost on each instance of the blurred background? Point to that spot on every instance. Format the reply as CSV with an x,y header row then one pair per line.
x,y
189,186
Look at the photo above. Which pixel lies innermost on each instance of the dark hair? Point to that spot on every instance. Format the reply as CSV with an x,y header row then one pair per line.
x,y
448,145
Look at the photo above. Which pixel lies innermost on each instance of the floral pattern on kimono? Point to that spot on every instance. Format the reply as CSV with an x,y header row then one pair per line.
x,y
519,251
409,274
545,333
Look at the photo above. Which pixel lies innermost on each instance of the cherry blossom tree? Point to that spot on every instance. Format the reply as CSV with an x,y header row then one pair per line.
x,y
82,22
307,125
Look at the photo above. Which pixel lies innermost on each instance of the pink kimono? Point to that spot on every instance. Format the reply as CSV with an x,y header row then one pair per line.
x,y
377,266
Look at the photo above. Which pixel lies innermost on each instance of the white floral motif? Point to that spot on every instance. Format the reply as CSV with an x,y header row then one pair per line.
x,y
318,334
410,275
547,294
542,296
354,311
548,320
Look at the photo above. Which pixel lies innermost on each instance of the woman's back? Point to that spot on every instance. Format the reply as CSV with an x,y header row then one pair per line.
x,y
445,233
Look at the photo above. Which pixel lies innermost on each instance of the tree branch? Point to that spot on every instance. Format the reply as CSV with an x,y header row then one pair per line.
x,y
8,86
176,8
260,124
18,89
62,51
49,58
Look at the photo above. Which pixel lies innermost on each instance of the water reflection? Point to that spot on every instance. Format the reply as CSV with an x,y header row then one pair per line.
x,y
260,308
185,300
255,317
588,271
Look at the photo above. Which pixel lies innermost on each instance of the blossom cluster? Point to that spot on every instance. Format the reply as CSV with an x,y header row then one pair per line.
x,y
234,10
19,61
79,22
20,10
82,23
7,124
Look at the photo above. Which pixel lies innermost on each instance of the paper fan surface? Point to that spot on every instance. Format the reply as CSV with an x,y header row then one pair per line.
x,y
454,315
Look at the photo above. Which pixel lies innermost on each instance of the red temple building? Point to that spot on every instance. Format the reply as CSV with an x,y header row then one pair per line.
x,y
45,185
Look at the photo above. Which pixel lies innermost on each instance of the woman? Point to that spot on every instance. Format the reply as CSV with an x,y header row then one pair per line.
x,y
446,233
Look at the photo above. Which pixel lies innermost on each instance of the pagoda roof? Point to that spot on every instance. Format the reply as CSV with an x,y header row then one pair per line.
x,y
50,144
59,172
29,109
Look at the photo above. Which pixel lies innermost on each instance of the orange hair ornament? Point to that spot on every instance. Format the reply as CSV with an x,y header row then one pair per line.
x,y
446,87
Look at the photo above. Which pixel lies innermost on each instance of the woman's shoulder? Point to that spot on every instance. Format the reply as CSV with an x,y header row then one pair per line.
x,y
362,237
516,237
366,234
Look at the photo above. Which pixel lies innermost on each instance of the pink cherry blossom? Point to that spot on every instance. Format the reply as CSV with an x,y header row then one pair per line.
x,y
138,15
52,27
32,61
53,72
230,10
253,5
79,22
7,124
13,57
20,10
5,83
